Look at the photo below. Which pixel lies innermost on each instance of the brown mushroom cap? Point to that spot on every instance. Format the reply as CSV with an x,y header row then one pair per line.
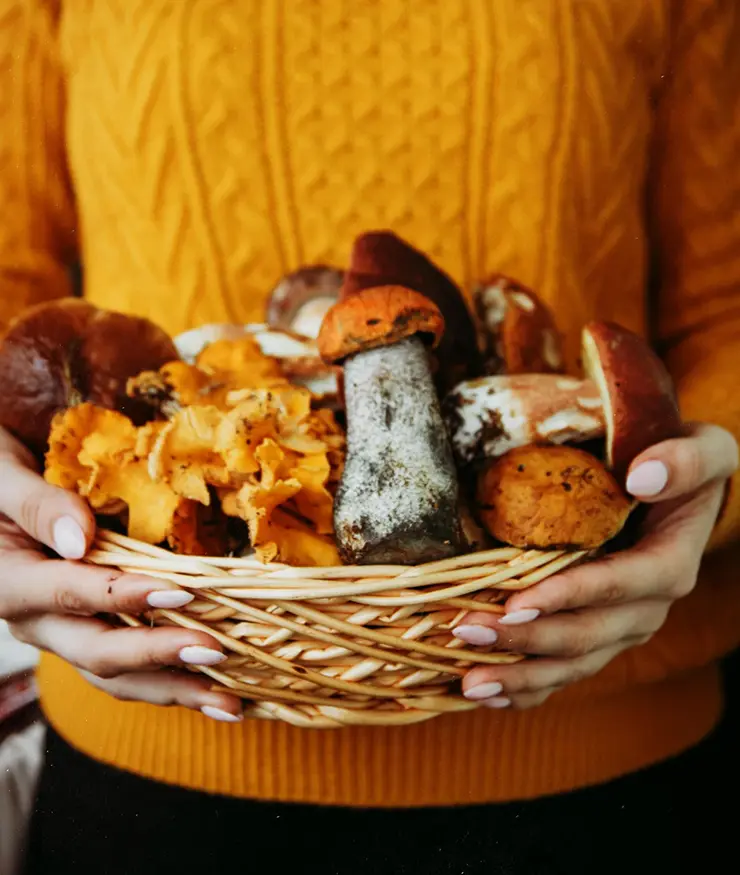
x,y
551,497
518,331
378,317
302,297
63,352
640,404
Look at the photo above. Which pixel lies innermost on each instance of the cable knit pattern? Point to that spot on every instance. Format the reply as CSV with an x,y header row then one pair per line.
x,y
191,152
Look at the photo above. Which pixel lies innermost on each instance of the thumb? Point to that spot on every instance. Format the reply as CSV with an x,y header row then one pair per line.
x,y
54,517
683,465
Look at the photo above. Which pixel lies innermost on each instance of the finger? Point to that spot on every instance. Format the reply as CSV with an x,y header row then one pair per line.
x,y
519,702
50,515
106,651
534,675
31,584
683,465
573,634
167,688
659,567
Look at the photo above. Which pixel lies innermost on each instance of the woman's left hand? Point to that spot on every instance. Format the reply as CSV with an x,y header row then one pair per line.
x,y
578,621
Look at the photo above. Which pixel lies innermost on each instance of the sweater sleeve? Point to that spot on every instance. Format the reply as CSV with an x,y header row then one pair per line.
x,y
694,200
37,222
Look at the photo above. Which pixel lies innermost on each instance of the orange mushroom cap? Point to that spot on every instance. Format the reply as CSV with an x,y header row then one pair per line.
x,y
378,317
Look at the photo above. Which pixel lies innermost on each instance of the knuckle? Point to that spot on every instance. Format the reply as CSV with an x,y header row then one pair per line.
x,y
528,680
681,585
516,641
690,463
101,667
29,512
154,656
67,601
122,694
614,592
533,700
19,632
574,595
583,588
112,687
580,643
657,620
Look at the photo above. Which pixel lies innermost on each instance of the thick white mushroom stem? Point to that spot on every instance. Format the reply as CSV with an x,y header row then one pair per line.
x,y
492,415
398,498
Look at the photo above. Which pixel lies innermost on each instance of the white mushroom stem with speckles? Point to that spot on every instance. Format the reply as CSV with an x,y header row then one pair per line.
x,y
488,417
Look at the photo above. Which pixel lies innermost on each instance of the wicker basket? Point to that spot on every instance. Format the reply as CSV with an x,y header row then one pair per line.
x,y
329,647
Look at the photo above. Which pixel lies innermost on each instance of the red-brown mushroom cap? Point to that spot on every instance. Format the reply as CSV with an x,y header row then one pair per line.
x,y
63,352
640,406
518,331
375,318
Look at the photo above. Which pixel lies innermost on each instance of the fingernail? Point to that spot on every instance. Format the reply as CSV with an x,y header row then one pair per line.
x,y
483,691
169,598
196,655
518,618
648,479
69,539
477,635
497,702
218,714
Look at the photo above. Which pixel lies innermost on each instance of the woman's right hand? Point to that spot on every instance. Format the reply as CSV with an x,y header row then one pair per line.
x,y
52,603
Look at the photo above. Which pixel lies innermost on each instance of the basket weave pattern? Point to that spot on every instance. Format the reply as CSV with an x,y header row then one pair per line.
x,y
328,647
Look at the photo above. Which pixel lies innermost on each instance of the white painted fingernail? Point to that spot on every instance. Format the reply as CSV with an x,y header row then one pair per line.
x,y
483,691
196,655
169,598
518,618
69,539
476,635
497,702
648,479
218,714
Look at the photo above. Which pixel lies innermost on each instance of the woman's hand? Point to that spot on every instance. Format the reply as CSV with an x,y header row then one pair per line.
x,y
578,621
52,603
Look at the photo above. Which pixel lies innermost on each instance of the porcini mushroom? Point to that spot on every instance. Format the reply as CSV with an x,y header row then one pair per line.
x,y
397,501
65,352
640,406
551,497
300,300
489,416
518,333
381,258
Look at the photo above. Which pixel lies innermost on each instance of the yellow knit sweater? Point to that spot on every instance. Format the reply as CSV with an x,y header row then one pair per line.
x,y
190,152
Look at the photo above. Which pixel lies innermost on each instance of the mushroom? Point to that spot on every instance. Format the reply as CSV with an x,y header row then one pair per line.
x,y
551,497
300,300
487,417
397,501
381,258
299,356
640,406
518,333
65,352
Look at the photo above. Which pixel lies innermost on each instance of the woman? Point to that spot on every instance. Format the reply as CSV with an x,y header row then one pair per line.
x,y
190,152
